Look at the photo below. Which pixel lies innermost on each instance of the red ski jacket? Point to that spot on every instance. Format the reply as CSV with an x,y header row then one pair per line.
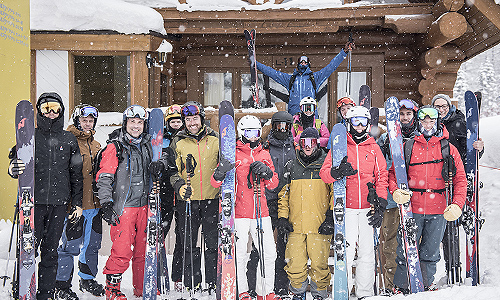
x,y
367,158
428,176
244,206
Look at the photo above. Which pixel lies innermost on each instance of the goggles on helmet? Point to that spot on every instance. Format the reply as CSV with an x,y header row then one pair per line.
x,y
190,110
345,101
308,107
428,111
89,111
356,121
408,104
174,109
308,142
136,111
304,59
53,106
251,133
281,126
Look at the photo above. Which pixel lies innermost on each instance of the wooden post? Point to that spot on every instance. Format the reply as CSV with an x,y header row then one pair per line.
x,y
139,79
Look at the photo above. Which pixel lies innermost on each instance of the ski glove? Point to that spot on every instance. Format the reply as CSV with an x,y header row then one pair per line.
x,y
260,170
109,215
342,170
452,212
16,168
401,196
376,201
156,168
75,213
185,192
327,226
222,169
375,216
284,226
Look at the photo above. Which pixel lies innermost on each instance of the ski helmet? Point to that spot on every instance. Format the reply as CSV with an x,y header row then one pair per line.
x,y
345,101
307,101
408,128
249,122
309,133
173,111
277,120
84,110
303,58
355,116
431,112
50,97
135,111
193,108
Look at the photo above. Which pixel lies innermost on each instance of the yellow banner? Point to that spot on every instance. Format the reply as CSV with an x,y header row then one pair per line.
x,y
14,86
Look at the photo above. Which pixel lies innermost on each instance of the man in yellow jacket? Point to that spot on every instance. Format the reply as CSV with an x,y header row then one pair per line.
x,y
305,212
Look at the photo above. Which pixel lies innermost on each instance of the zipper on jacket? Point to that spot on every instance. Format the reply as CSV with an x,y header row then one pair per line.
x,y
359,176
91,164
50,167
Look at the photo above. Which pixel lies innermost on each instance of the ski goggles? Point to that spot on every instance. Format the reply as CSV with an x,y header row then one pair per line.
x,y
89,111
47,107
174,109
308,107
190,110
136,111
251,133
303,59
356,121
408,104
345,101
430,112
308,143
281,126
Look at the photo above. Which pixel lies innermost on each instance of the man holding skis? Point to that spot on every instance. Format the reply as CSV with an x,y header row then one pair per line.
x,y
58,184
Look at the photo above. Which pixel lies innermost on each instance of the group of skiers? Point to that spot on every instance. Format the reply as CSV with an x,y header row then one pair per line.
x,y
291,171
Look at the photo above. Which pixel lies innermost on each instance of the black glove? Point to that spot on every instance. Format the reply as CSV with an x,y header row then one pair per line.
x,y
375,216
327,226
342,170
108,214
223,167
284,226
16,168
156,168
185,191
349,46
260,170
372,194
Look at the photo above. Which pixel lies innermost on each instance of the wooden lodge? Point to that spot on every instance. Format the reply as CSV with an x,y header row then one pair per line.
x,y
407,50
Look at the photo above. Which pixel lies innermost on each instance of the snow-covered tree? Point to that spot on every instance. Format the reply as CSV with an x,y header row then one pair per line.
x,y
461,86
488,86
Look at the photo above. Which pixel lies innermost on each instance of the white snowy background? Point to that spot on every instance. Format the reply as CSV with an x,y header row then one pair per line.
x,y
481,73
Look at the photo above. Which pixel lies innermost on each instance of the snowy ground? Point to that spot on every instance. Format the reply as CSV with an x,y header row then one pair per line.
x,y
489,236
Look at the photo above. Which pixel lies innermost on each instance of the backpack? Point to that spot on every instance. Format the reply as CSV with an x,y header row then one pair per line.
x,y
317,124
96,163
311,77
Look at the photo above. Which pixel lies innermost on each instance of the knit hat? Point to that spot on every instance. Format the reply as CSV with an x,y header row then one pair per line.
x,y
310,132
442,96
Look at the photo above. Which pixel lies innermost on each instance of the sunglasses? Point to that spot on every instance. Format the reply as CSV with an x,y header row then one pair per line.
x,y
190,110
356,121
47,107
308,143
89,111
282,126
136,111
428,112
407,104
308,107
251,133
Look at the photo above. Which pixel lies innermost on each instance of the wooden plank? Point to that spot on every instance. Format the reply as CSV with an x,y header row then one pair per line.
x,y
443,6
490,10
408,24
139,79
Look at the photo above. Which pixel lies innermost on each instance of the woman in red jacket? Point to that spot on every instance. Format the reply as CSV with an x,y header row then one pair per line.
x,y
429,204
366,194
252,161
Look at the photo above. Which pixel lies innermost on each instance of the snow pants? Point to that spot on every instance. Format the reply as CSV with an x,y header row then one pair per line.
x,y
84,238
430,231
129,242
359,235
389,233
300,248
243,227
49,223
177,255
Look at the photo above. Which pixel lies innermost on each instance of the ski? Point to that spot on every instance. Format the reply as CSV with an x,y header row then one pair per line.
x,y
25,146
472,227
338,148
250,39
374,115
365,96
226,270
150,289
408,225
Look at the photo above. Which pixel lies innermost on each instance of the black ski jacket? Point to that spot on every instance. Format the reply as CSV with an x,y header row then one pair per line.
x,y
58,164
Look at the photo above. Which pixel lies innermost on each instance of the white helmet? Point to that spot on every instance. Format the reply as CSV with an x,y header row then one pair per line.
x,y
358,111
307,100
248,122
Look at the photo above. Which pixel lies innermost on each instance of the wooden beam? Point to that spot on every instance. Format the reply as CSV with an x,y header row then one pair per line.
x,y
139,79
490,10
448,27
408,23
433,58
444,6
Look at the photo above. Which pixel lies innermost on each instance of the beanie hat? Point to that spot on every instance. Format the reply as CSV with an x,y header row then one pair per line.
x,y
310,132
442,96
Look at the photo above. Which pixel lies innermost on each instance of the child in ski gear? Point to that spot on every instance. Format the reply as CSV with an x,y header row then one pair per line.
x,y
305,214
254,166
58,184
202,143
305,118
84,236
364,204
303,82
123,187
429,204
389,229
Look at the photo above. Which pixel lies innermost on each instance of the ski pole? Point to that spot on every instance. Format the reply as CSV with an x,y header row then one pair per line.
x,y
349,67
256,190
14,221
456,234
190,173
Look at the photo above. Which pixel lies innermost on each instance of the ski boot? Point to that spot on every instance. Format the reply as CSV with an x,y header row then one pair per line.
x,y
91,286
244,296
301,296
65,294
113,287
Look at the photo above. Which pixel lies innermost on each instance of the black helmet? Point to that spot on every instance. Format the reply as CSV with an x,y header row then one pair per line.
x,y
277,131
50,97
187,111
